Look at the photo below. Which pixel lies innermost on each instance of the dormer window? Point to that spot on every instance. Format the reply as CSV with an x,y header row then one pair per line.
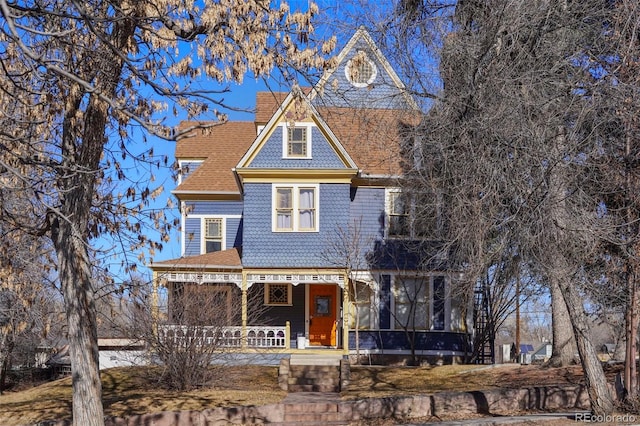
x,y
297,141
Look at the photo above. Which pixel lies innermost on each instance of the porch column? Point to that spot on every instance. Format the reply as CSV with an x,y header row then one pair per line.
x,y
154,298
243,333
345,315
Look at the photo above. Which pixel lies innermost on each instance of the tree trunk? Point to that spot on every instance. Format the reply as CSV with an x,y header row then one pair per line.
x,y
75,278
563,351
599,395
561,270
6,351
631,314
631,337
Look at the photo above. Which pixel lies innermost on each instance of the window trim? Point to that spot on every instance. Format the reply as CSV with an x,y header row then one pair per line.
x,y
204,235
426,290
267,293
308,138
295,207
390,193
372,77
430,294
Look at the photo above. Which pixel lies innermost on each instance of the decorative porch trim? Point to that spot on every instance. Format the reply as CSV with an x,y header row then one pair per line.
x,y
204,277
296,279
258,337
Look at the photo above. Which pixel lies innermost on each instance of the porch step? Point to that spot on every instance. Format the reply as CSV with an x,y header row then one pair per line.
x,y
313,378
313,409
313,359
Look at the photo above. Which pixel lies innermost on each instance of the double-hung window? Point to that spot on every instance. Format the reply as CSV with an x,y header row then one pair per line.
x,y
297,142
212,234
398,213
295,208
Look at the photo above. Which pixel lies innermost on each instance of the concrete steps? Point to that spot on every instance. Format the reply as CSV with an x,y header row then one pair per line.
x,y
314,378
313,409
313,373
304,359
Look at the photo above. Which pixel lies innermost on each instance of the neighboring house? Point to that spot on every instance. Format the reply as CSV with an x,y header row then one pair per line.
x,y
112,353
296,225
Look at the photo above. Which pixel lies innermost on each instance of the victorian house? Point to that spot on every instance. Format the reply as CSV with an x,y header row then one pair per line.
x,y
296,235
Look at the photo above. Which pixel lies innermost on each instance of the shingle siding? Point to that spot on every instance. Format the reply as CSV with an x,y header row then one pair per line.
x,y
366,211
322,153
264,248
382,93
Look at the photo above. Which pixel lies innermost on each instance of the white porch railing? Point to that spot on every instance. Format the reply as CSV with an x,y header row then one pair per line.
x,y
263,337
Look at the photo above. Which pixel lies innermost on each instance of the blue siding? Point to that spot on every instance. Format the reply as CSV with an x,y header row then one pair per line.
x,y
214,207
279,315
382,93
322,153
366,212
233,232
189,167
264,248
192,236
193,233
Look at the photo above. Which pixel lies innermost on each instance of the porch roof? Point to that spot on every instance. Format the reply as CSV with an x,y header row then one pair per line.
x,y
218,260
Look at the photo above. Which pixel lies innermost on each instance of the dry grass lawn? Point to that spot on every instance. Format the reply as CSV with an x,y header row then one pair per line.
x,y
136,390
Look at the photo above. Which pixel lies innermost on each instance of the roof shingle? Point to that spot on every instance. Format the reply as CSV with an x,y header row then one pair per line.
x,y
221,146
225,259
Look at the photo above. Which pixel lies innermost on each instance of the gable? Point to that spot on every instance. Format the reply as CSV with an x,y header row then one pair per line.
x,y
372,115
363,78
271,151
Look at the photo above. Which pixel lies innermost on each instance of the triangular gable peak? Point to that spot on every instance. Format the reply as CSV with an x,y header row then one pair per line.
x,y
362,78
271,154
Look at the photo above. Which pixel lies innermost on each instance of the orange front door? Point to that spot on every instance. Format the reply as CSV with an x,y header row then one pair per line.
x,y
322,315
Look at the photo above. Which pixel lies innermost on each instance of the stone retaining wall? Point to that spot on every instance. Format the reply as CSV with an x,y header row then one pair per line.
x,y
546,398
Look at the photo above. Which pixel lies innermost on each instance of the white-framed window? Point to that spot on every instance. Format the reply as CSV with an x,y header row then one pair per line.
x,y
411,302
296,142
417,215
361,307
213,234
360,71
277,294
295,208
398,214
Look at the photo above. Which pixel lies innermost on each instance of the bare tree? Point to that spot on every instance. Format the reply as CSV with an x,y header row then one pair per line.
x,y
195,337
616,175
508,140
81,79
347,249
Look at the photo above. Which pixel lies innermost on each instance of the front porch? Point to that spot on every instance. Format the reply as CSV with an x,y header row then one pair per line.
x,y
274,312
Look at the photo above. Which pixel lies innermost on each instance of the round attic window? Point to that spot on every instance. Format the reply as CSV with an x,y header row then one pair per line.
x,y
360,70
